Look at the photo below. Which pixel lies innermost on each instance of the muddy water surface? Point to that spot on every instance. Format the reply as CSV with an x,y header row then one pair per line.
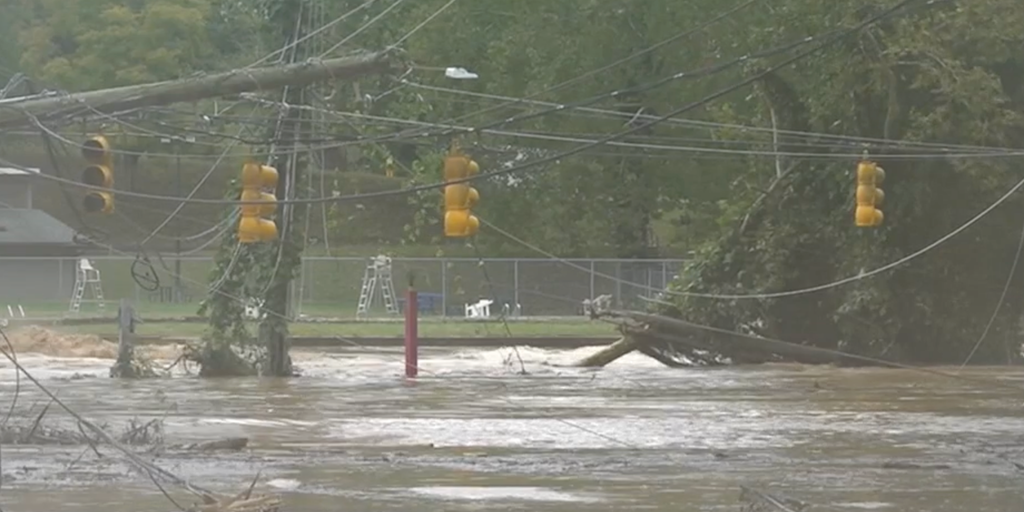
x,y
471,434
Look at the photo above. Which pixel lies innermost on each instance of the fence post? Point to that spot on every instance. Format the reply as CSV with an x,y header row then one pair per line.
x,y
411,334
515,284
444,288
302,288
618,284
592,280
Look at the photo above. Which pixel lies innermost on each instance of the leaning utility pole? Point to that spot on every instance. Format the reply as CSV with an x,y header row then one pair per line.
x,y
19,112
273,329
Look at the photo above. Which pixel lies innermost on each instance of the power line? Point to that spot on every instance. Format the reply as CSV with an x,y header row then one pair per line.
x,y
711,124
812,289
700,72
681,35
642,88
612,94
579,149
296,42
999,303
422,24
989,382
360,30
665,147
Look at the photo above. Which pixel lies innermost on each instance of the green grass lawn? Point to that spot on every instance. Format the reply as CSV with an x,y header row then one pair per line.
x,y
427,329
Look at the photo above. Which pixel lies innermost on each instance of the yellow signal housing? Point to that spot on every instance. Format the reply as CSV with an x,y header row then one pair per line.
x,y
869,196
460,198
259,202
98,173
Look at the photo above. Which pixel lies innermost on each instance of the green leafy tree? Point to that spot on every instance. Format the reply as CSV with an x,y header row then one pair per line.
x,y
930,74
90,44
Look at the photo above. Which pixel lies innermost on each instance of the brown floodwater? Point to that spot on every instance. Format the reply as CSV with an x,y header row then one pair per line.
x,y
472,434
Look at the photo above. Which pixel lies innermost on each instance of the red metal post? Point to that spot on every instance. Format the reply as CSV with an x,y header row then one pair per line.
x,y
412,341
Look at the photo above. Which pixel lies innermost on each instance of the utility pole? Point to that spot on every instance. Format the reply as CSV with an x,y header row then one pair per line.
x,y
273,331
23,111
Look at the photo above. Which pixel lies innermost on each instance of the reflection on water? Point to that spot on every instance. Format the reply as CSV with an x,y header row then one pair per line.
x,y
471,434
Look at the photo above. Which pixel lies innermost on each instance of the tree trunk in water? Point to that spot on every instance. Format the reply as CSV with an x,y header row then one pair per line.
x,y
609,354
218,360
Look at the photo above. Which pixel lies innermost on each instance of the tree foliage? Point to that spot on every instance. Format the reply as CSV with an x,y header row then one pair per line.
x,y
931,74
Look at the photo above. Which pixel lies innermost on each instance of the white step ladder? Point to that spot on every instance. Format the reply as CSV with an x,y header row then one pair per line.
x,y
378,271
86,276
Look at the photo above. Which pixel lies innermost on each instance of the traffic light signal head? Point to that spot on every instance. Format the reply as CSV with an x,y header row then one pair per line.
x,y
459,198
256,175
98,173
869,196
258,203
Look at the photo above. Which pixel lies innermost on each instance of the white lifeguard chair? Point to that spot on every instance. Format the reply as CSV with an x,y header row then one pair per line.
x,y
377,273
481,309
86,276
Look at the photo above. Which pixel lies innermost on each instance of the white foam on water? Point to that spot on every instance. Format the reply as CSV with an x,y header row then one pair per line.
x,y
501,493
285,484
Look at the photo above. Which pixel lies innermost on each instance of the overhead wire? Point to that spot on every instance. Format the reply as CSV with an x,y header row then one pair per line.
x,y
191,194
289,184
217,229
762,295
571,424
581,428
839,141
883,362
291,44
422,24
837,353
1000,153
613,94
364,26
695,150
503,315
706,71
618,135
811,289
999,303
661,82
676,37
693,123
830,352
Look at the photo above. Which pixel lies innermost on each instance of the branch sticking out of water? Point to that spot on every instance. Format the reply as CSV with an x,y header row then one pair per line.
x,y
760,501
237,504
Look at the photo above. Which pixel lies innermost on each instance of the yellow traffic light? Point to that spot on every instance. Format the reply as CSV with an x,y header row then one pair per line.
x,y
460,198
259,183
99,173
869,196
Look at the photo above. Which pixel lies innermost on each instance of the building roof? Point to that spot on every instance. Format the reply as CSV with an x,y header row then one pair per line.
x,y
33,227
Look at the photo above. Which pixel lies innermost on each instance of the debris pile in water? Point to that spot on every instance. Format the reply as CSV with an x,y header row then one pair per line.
x,y
136,433
39,340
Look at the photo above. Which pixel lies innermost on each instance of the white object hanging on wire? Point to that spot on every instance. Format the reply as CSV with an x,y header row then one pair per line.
x,y
460,74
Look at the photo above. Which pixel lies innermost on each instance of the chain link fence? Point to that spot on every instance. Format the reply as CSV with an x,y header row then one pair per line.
x,y
330,286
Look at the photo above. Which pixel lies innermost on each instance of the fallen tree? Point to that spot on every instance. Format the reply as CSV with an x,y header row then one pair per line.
x,y
679,343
